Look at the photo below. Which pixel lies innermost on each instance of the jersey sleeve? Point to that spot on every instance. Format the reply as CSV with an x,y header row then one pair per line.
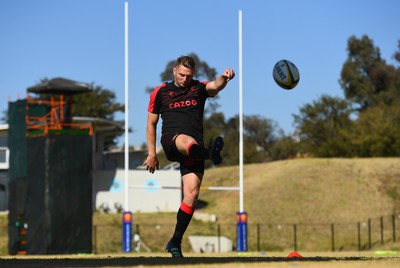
x,y
203,85
154,103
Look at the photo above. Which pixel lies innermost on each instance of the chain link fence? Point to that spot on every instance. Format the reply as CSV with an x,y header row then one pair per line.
x,y
370,234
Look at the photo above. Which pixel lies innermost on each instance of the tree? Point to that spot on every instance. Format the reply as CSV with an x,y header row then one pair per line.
x,y
258,138
396,55
377,132
367,80
366,123
215,125
323,127
99,103
372,84
261,132
285,147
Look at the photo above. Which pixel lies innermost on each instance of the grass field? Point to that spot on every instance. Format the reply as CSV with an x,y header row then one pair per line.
x,y
309,190
253,259
313,193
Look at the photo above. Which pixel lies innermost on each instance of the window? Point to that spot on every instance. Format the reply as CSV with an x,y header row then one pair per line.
x,y
4,158
3,141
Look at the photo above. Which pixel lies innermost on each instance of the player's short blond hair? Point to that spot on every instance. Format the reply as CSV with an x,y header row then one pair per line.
x,y
186,61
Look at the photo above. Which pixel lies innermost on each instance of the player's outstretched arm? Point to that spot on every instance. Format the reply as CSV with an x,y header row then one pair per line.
x,y
220,82
151,161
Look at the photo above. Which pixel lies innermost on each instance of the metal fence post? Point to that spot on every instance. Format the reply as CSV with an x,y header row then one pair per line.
x,y
94,239
295,236
258,237
333,236
382,242
369,234
394,228
219,238
359,235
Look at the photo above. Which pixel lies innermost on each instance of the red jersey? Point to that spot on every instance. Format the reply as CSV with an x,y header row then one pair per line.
x,y
181,110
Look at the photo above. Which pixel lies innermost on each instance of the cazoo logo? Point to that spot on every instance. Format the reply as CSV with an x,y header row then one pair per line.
x,y
182,104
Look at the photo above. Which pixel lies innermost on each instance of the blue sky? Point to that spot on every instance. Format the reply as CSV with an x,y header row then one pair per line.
x,y
83,40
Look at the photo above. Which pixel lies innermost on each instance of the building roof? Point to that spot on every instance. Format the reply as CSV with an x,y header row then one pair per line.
x,y
60,86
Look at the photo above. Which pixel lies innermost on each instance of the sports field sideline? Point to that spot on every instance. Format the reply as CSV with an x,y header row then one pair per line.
x,y
253,260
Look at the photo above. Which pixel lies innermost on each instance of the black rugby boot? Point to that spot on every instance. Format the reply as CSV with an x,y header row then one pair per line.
x,y
175,250
215,150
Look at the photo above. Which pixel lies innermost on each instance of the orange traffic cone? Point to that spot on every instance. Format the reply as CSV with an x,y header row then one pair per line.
x,y
294,254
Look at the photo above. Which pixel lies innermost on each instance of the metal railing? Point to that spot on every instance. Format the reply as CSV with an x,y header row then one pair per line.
x,y
372,233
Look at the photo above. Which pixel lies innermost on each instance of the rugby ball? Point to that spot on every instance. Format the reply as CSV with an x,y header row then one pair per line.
x,y
286,74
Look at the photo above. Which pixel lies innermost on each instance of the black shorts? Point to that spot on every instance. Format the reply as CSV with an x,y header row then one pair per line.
x,y
187,164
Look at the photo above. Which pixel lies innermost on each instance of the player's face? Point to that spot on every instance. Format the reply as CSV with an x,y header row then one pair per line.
x,y
182,76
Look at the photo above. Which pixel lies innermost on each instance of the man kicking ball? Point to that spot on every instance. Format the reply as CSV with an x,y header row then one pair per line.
x,y
181,106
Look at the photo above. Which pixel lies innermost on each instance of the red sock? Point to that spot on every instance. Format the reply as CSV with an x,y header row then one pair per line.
x,y
186,208
183,219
